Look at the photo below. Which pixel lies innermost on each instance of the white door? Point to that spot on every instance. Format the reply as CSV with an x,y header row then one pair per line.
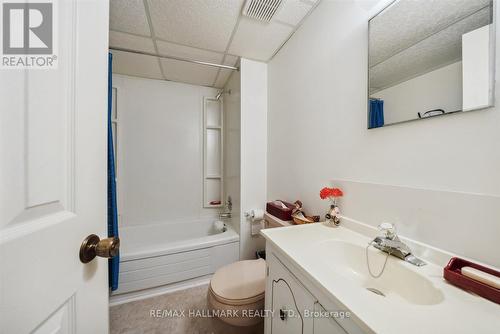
x,y
53,181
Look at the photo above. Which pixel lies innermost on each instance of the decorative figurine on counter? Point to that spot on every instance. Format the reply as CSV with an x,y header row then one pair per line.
x,y
333,215
298,207
299,216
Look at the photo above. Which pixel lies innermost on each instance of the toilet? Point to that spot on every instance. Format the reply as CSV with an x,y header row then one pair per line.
x,y
236,287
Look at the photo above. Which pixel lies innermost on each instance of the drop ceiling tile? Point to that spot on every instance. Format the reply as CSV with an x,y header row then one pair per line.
x,y
222,78
128,16
176,50
258,40
136,65
292,12
182,71
206,24
231,60
128,41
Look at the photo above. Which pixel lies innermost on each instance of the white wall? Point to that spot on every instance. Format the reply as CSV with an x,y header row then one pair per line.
x,y
437,179
253,150
439,89
232,152
160,150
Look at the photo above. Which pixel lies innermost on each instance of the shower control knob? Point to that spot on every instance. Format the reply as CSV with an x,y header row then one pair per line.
x,y
93,246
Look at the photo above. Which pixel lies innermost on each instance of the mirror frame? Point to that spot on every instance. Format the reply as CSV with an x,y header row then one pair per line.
x,y
492,72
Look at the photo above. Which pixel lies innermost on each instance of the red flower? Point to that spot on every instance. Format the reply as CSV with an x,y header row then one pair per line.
x,y
330,192
337,192
324,193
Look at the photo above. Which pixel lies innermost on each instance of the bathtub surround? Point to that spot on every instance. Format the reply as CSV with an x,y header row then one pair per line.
x,y
439,178
160,145
168,238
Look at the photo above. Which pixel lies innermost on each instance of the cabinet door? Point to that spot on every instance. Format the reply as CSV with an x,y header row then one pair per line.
x,y
324,324
291,303
286,316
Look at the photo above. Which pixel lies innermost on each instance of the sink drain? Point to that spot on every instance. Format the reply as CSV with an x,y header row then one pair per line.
x,y
376,291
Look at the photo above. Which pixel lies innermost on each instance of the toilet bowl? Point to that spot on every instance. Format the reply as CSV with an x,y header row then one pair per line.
x,y
236,292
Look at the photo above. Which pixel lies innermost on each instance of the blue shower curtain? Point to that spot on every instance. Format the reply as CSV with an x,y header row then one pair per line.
x,y
376,115
112,208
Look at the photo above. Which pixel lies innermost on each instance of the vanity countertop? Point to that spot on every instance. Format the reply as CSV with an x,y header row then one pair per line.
x,y
448,309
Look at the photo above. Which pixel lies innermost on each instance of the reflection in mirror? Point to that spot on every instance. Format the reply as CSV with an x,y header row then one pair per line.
x,y
429,58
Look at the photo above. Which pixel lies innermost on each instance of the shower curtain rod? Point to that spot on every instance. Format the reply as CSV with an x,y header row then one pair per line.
x,y
233,68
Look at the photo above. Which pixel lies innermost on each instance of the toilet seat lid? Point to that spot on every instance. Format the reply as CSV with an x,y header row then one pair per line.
x,y
240,280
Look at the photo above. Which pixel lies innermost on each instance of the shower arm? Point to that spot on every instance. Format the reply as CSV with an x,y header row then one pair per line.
x,y
220,93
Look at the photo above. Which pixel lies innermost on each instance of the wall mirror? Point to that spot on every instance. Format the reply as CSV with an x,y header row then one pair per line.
x,y
429,58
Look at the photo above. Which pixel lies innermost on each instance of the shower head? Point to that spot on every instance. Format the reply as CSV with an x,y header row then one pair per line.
x,y
219,94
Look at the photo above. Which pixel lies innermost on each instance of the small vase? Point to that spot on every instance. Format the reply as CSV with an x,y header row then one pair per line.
x,y
332,216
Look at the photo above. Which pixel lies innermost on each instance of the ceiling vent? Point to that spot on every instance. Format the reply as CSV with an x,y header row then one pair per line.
x,y
262,10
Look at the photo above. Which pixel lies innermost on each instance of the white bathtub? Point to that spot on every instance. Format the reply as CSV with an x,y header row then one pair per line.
x,y
169,253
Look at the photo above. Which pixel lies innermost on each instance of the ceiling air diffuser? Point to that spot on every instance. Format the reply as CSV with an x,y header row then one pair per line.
x,y
262,10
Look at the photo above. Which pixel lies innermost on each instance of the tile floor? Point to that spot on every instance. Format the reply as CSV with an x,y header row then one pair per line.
x,y
135,318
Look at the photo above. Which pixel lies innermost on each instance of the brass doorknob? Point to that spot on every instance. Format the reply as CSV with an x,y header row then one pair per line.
x,y
93,246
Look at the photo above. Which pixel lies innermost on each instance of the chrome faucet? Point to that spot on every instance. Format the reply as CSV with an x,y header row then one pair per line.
x,y
225,213
390,243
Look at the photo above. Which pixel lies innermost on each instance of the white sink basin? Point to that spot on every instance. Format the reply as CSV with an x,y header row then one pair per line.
x,y
399,280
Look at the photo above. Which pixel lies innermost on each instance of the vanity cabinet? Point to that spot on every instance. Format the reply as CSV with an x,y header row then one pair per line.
x,y
294,309
325,325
